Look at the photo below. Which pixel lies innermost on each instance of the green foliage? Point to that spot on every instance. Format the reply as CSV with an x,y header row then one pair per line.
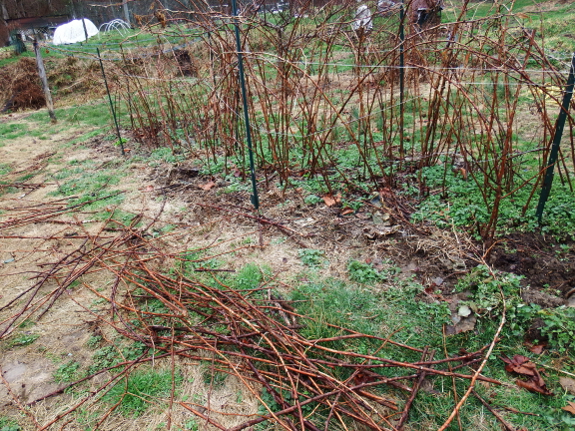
x,y
105,357
249,277
135,393
91,186
8,424
335,302
21,340
134,350
166,155
121,141
9,131
191,424
312,200
67,372
26,324
94,341
192,260
365,273
214,379
462,203
5,168
559,327
312,258
487,289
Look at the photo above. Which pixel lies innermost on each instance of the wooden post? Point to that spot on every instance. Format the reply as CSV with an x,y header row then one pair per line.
x,y
42,73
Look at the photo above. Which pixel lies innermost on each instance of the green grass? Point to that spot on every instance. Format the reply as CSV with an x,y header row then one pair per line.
x,y
140,389
400,308
5,169
90,184
10,131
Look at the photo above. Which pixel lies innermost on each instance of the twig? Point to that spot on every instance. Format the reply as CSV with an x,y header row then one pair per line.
x,y
505,424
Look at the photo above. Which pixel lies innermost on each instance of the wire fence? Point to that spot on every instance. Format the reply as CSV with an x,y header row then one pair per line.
x,y
344,105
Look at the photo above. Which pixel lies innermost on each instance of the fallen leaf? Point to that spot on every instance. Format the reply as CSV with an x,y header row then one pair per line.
x,y
570,408
523,366
568,384
537,349
347,211
519,364
331,200
533,387
207,186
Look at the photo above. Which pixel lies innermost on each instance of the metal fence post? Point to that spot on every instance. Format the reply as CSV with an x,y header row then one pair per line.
x,y
111,103
254,197
559,126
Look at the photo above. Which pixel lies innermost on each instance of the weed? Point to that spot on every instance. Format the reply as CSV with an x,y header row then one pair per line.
x,y
312,200
365,273
312,258
166,155
214,379
23,340
249,277
464,205
121,141
5,168
191,424
67,372
488,289
105,357
558,325
26,324
93,341
8,424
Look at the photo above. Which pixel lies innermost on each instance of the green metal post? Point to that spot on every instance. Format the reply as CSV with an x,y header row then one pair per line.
x,y
559,126
254,197
111,103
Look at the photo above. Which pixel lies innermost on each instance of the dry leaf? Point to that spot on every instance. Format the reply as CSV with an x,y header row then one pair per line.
x,y
347,211
534,387
523,366
520,365
568,384
207,186
331,200
537,349
570,408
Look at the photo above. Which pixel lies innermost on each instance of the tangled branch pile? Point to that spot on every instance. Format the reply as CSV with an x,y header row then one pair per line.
x,y
306,383
21,87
